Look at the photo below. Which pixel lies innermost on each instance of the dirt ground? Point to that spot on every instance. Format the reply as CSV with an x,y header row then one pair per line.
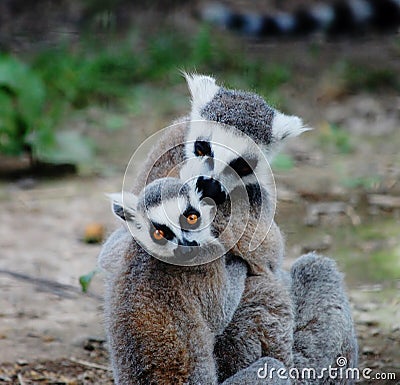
x,y
52,333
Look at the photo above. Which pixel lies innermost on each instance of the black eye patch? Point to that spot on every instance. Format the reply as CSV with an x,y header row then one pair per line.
x,y
243,166
202,148
183,220
168,234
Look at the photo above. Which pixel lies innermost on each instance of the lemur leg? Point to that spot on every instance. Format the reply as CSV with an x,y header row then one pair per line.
x,y
266,370
262,326
324,328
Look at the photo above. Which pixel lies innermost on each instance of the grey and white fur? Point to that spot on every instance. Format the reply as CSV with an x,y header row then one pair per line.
x,y
161,319
330,18
253,131
280,126
254,122
324,329
264,260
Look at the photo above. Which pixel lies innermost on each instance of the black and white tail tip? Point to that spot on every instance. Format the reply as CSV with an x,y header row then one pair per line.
x,y
340,17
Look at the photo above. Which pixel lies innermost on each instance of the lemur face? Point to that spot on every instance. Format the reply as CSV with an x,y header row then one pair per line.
x,y
231,137
169,222
216,165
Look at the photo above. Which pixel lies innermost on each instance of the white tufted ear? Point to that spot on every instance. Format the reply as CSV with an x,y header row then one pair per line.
x,y
203,89
286,126
283,127
124,205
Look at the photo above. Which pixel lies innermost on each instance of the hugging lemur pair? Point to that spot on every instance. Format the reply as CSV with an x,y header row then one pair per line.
x,y
203,324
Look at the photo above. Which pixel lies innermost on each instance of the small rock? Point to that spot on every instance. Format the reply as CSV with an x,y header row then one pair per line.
x,y
315,210
26,183
22,362
94,233
375,332
368,350
323,245
48,339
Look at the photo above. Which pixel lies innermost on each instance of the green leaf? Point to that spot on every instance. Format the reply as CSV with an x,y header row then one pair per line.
x,y
85,280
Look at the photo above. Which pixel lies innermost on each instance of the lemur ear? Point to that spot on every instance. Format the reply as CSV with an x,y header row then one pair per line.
x,y
124,205
286,126
203,89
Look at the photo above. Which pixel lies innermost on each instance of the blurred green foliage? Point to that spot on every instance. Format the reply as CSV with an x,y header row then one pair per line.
x,y
36,93
358,77
334,135
364,182
282,162
22,97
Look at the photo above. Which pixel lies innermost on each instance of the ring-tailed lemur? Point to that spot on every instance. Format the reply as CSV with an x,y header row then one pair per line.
x,y
269,128
223,159
264,260
162,319
335,18
157,166
250,115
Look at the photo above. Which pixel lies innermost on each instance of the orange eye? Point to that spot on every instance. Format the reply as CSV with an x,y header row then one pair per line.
x,y
199,152
158,234
192,219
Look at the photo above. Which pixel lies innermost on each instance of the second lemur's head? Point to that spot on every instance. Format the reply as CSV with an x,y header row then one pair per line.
x,y
231,136
168,220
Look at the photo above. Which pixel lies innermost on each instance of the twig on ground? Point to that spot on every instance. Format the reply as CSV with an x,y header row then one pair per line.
x,y
60,289
90,364
20,379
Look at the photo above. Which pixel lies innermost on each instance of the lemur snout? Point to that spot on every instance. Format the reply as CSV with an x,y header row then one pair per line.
x,y
211,188
186,249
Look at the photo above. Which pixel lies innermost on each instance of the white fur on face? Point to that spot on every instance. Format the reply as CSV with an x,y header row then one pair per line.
x,y
227,144
169,214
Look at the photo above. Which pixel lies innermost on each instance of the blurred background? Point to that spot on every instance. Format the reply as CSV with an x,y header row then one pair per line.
x,y
83,83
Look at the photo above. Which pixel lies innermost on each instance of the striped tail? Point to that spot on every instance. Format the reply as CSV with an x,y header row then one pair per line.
x,y
341,17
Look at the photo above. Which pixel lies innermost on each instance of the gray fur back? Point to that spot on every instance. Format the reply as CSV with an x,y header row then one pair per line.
x,y
246,111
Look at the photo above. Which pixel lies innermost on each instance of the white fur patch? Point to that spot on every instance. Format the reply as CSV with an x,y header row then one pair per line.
x,y
324,14
285,21
216,14
203,89
227,144
285,126
361,9
168,213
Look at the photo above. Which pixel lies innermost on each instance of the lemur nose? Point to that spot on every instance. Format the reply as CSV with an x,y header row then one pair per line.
x,y
187,243
211,188
186,249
